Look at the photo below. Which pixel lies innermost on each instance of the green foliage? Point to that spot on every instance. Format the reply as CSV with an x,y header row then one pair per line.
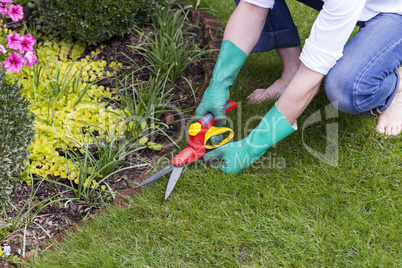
x,y
96,21
62,85
16,133
143,103
90,169
170,49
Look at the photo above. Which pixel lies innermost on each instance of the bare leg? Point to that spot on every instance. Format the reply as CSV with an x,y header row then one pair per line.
x,y
245,26
290,60
390,121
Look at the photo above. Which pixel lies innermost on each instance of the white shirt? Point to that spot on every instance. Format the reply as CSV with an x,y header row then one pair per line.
x,y
333,26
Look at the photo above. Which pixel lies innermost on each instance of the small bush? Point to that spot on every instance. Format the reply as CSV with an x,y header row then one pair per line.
x,y
16,133
94,21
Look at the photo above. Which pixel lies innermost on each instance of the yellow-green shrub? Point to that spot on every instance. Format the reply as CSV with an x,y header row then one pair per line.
x,y
61,120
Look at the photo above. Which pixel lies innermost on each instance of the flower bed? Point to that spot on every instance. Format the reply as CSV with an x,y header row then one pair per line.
x,y
76,95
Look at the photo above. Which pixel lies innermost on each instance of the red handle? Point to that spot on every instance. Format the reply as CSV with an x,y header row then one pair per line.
x,y
196,144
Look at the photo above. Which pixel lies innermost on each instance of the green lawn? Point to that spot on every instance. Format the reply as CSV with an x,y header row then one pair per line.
x,y
290,209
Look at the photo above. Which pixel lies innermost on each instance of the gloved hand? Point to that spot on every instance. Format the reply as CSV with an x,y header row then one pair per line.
x,y
214,100
234,157
216,139
228,65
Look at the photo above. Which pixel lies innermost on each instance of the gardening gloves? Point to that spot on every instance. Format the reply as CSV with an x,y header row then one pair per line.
x,y
228,65
234,157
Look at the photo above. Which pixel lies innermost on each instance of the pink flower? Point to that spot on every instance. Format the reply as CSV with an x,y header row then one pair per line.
x,y
15,12
27,41
30,58
3,10
14,41
30,37
2,49
6,1
14,63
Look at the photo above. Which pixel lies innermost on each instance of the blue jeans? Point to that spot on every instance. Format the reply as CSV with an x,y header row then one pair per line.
x,y
365,79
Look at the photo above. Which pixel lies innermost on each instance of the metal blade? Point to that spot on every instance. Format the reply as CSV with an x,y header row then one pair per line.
x,y
173,179
156,176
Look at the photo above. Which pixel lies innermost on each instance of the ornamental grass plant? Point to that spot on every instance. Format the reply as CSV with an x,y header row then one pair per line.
x,y
57,88
143,104
169,47
100,156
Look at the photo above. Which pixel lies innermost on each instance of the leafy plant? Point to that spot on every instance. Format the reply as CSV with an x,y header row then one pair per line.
x,y
16,134
193,3
55,85
96,22
46,85
143,103
170,48
88,169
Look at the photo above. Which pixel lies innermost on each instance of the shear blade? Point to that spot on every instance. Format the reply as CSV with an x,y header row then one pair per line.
x,y
173,179
156,176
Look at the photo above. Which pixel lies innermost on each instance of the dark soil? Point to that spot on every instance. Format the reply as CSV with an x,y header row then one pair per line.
x,y
61,215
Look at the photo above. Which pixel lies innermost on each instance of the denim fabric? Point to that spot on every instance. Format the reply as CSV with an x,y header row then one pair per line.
x,y
365,79
279,29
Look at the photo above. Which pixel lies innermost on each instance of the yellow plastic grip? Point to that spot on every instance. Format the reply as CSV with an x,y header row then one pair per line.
x,y
194,129
213,131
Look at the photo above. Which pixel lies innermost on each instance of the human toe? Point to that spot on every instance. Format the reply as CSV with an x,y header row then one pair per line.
x,y
380,128
395,130
255,97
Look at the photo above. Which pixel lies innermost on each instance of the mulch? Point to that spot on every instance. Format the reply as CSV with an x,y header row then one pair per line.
x,y
62,215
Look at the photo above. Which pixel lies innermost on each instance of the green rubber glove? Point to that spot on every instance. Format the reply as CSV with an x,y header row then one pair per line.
x,y
216,139
228,65
234,157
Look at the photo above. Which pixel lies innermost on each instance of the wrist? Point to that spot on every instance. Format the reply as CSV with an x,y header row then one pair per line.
x,y
218,86
257,149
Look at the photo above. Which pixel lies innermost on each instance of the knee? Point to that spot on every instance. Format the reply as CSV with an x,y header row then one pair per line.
x,y
339,87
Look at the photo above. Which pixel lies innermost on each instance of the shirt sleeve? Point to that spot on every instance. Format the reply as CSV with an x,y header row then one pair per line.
x,y
261,3
329,34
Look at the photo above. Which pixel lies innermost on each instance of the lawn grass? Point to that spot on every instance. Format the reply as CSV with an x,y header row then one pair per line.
x,y
290,209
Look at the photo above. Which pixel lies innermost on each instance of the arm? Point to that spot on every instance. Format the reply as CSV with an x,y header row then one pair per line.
x,y
301,90
274,126
323,48
329,34
241,34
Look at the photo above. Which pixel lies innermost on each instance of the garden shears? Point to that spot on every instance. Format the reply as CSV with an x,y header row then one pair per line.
x,y
198,135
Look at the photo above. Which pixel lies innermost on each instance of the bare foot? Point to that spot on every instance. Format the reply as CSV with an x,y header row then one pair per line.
x,y
390,121
290,61
267,94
